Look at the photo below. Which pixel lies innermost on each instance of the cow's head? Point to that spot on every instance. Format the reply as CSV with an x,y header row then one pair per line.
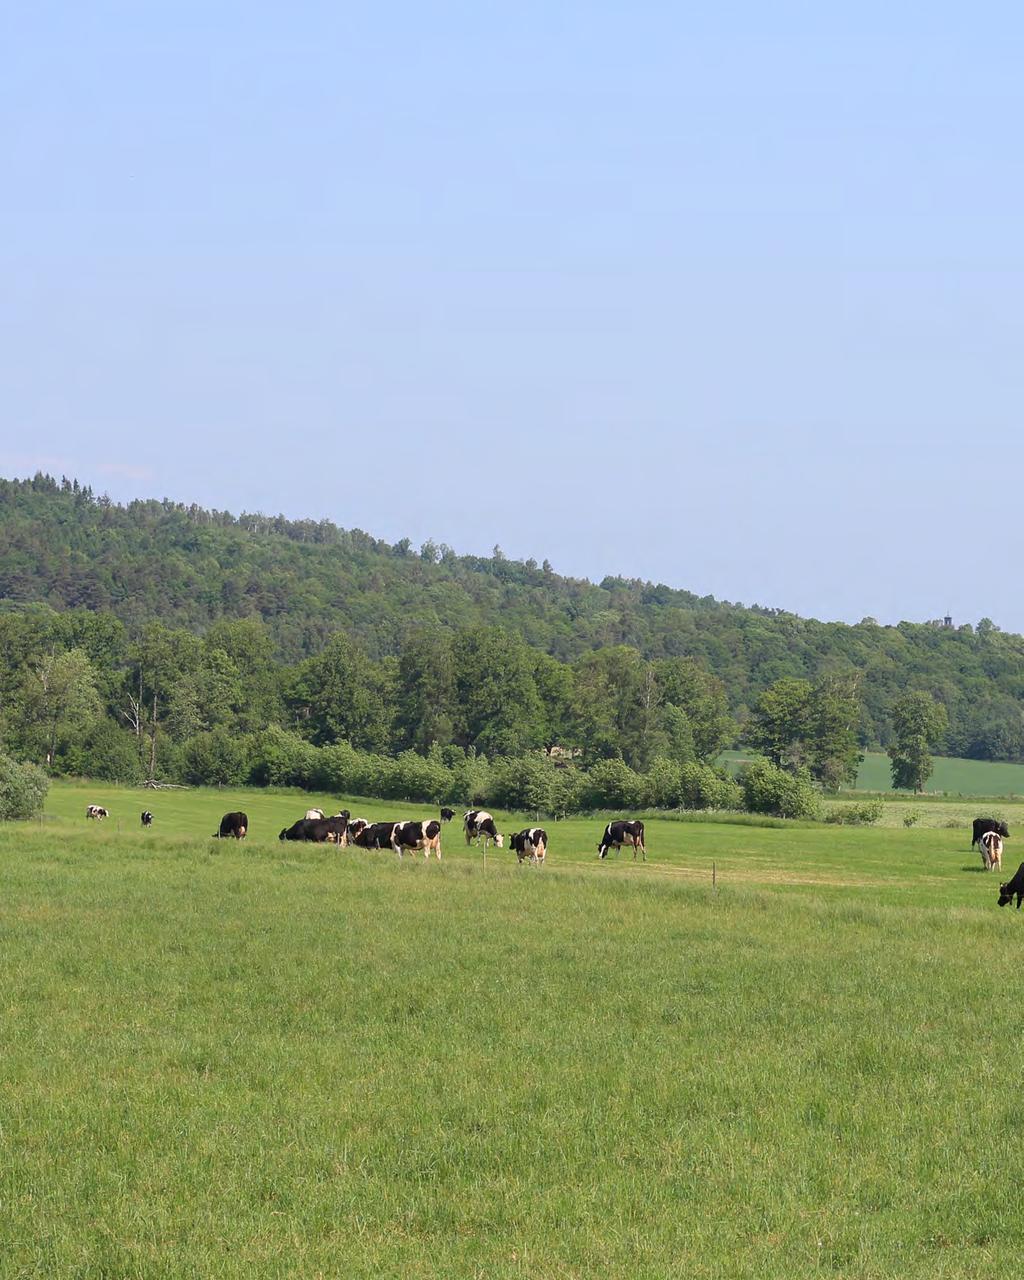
x,y
1005,894
1003,830
499,840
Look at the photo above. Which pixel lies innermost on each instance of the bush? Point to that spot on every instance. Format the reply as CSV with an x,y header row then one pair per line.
x,y
856,815
912,818
768,789
524,784
664,789
416,777
281,759
702,787
216,758
612,784
566,791
23,789
106,752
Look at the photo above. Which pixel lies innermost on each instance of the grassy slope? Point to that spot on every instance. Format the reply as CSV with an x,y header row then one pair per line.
x,y
228,1060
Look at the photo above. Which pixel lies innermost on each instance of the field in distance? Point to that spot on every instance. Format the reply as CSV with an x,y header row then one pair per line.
x,y
952,776
236,1059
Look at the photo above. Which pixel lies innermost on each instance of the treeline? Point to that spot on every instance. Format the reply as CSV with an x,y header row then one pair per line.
x,y
591,665
81,695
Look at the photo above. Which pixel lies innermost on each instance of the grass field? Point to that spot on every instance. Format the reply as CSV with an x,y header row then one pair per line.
x,y
226,1059
953,777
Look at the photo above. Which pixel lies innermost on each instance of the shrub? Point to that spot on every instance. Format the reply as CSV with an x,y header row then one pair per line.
x,y
23,789
106,752
768,789
612,784
282,759
416,777
524,784
566,791
702,787
216,758
664,789
856,815
912,818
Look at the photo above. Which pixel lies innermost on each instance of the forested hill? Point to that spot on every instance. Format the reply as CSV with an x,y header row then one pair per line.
x,y
63,546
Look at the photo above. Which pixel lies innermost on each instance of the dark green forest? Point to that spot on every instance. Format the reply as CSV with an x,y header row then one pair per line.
x,y
170,638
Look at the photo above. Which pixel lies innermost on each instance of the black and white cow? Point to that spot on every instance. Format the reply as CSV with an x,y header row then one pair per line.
x,y
233,824
376,836
992,850
616,834
447,815
1013,888
981,825
530,845
96,811
477,823
147,818
318,830
417,835
356,826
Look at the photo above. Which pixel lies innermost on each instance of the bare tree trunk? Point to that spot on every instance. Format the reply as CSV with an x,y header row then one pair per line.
x,y
152,742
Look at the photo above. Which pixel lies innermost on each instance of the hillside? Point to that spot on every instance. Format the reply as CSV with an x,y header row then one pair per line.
x,y
189,568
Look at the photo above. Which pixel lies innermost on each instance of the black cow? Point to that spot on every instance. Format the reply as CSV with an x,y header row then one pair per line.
x,y
1013,888
531,844
477,823
317,830
147,818
616,834
233,824
981,825
447,815
376,836
417,835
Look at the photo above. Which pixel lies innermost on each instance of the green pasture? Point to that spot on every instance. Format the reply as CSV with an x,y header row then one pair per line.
x,y
228,1059
952,777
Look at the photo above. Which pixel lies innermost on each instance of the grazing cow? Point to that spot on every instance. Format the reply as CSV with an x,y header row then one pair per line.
x,y
417,835
317,830
147,818
356,826
616,834
1013,888
477,823
981,825
233,824
376,836
992,850
531,844
313,814
96,811
447,815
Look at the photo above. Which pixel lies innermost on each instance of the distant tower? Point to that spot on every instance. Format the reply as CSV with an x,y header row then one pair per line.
x,y
947,622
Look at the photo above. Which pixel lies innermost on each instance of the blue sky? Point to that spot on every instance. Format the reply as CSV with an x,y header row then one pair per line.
x,y
725,296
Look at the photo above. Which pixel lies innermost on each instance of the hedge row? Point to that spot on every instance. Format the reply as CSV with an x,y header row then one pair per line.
x,y
529,784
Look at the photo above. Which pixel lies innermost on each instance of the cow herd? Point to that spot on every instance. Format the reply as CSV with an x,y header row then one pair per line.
x,y
529,845
415,835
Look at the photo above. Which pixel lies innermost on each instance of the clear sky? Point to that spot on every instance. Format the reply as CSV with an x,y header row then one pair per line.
x,y
724,295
